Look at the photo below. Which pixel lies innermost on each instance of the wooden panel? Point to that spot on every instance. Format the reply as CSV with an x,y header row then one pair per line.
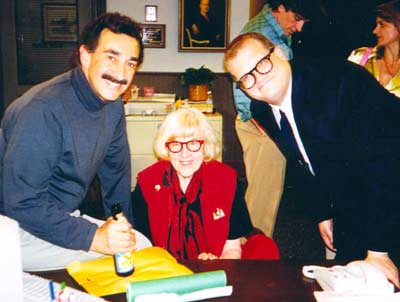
x,y
40,58
255,7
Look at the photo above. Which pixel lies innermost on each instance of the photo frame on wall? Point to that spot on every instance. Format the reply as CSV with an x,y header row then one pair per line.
x,y
150,13
204,25
59,23
153,35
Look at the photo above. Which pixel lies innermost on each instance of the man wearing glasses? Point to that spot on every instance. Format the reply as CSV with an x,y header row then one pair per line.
x,y
339,130
278,20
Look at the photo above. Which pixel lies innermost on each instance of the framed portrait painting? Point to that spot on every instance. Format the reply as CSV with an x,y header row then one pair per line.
x,y
203,25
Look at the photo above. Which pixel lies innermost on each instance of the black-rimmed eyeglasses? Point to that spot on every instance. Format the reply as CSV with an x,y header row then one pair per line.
x,y
192,146
263,66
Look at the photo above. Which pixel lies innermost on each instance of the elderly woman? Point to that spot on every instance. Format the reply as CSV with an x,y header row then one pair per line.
x,y
187,202
383,61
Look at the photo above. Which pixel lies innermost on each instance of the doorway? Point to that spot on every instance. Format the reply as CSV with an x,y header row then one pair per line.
x,y
37,40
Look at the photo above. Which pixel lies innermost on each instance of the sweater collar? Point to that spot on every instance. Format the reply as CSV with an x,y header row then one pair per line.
x,y
84,91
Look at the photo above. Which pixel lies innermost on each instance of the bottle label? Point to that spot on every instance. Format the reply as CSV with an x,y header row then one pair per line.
x,y
124,262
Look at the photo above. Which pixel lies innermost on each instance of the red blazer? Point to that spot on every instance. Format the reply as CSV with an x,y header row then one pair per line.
x,y
218,191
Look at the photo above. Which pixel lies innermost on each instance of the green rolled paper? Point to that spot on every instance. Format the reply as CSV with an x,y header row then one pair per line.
x,y
178,285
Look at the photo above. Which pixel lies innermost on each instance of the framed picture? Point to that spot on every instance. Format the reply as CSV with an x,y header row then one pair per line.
x,y
203,25
59,22
153,35
150,13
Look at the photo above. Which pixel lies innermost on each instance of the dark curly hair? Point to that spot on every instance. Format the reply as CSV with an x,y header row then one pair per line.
x,y
115,22
305,8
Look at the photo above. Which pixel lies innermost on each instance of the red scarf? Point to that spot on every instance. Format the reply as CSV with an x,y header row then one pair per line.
x,y
186,239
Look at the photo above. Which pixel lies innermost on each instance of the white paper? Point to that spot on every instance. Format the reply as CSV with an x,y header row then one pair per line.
x,y
194,296
10,261
208,293
326,296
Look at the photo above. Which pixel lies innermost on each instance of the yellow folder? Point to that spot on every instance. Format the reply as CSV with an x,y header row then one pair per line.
x,y
98,276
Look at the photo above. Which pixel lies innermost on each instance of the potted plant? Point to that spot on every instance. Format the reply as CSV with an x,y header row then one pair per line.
x,y
198,82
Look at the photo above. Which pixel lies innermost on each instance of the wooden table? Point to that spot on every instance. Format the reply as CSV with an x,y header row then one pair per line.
x,y
252,280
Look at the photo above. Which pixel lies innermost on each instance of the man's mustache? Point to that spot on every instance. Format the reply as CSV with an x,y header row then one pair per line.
x,y
112,79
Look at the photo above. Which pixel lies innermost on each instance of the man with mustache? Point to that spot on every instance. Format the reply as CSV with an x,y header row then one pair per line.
x,y
62,133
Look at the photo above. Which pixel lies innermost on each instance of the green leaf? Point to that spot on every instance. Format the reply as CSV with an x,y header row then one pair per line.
x,y
193,76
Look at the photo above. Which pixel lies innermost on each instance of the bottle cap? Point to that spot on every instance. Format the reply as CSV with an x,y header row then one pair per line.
x,y
116,209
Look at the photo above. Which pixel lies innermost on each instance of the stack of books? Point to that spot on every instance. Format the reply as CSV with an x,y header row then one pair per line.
x,y
203,106
157,104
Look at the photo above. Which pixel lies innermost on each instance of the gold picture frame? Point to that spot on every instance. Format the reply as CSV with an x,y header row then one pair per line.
x,y
202,30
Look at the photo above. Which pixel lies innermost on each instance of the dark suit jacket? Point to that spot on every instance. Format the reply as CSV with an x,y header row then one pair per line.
x,y
350,127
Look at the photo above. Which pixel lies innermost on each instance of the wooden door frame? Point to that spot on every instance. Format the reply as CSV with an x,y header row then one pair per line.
x,y
9,87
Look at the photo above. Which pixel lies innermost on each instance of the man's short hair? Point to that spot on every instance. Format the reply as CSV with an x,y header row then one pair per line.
x,y
117,23
304,8
236,45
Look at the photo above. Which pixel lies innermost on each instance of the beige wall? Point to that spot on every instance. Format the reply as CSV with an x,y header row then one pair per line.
x,y
169,59
156,60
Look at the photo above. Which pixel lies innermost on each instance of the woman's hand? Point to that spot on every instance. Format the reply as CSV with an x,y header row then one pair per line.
x,y
207,256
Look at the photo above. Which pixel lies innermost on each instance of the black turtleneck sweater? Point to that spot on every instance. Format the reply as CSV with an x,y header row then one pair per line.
x,y
55,139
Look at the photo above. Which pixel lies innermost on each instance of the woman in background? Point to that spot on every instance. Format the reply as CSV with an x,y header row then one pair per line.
x,y
383,61
187,202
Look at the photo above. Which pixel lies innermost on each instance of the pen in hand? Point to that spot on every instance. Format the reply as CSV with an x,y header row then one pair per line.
x,y
52,294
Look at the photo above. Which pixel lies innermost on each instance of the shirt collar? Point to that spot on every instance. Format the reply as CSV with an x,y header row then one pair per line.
x,y
84,91
286,105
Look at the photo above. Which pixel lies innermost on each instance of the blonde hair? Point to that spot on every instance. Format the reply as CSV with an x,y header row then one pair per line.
x,y
240,41
186,122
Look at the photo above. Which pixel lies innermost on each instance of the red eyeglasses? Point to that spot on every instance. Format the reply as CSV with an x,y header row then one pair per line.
x,y
192,146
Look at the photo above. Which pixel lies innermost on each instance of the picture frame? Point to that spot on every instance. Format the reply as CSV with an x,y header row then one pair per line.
x,y
150,13
153,35
59,22
199,34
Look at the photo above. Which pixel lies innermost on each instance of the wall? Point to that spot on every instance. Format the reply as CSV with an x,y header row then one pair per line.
x,y
169,59
161,66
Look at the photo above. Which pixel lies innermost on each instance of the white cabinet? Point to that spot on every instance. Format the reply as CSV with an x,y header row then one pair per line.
x,y
141,134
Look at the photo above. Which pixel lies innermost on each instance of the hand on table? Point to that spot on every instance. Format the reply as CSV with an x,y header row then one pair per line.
x,y
326,230
206,256
383,262
114,236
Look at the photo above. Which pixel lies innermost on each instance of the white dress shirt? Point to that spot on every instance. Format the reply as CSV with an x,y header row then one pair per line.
x,y
287,108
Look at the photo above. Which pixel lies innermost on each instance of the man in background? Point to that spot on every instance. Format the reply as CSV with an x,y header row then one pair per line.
x,y
62,133
278,20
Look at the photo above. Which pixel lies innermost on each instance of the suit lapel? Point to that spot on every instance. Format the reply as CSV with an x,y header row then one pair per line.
x,y
302,110
262,112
